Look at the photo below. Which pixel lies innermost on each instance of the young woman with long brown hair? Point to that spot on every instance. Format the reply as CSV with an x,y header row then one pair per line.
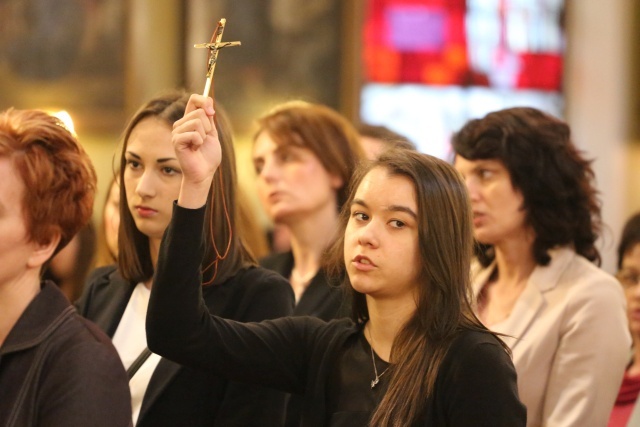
x,y
413,352
116,298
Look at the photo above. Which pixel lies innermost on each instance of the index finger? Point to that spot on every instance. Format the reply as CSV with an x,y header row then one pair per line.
x,y
198,101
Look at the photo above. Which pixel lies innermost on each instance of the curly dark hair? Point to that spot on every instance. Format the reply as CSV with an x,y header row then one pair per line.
x,y
556,181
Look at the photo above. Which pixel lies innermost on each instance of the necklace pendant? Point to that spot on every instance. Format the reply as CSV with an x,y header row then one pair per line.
x,y
375,382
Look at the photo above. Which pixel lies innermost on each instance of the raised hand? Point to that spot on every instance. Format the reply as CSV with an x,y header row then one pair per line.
x,y
195,140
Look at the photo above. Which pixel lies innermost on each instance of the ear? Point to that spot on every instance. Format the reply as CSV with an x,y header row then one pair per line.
x,y
42,252
336,182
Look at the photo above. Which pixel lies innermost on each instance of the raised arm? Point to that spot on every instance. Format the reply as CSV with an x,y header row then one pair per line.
x,y
197,147
179,325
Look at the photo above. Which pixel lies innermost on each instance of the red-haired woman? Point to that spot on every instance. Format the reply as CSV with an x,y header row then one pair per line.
x,y
56,369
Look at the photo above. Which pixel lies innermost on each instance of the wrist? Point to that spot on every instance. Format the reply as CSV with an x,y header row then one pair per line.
x,y
193,195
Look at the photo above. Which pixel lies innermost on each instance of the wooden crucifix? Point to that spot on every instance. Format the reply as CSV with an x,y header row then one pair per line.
x,y
214,47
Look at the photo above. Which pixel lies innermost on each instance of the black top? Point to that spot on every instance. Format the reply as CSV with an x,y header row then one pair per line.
x,y
351,399
323,298
476,385
58,369
179,395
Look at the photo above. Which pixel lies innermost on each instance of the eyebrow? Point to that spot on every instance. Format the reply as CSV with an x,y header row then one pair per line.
x,y
390,208
162,160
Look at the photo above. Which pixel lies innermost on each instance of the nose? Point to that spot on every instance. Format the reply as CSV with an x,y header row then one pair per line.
x,y
472,189
368,235
270,170
145,186
635,290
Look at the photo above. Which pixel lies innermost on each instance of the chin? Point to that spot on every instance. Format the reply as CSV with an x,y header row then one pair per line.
x,y
281,215
483,239
361,287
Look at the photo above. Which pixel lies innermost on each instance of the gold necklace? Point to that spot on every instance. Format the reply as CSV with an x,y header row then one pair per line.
x,y
376,380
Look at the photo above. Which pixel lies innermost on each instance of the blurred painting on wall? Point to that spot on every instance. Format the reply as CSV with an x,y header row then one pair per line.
x,y
290,50
65,54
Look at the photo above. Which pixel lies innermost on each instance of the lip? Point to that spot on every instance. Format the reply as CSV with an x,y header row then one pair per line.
x,y
145,211
478,218
635,314
363,263
274,196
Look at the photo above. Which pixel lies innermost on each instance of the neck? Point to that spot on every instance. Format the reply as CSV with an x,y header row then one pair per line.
x,y
14,299
386,319
515,261
310,237
634,369
154,248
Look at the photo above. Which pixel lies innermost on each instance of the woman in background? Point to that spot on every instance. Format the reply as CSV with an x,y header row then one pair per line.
x,y
629,277
537,218
304,155
163,392
107,246
70,267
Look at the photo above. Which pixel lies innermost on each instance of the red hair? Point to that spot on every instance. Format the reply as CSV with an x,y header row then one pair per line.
x,y
59,179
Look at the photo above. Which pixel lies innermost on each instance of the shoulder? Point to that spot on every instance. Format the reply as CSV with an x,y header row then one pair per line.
x,y
104,284
279,262
477,382
253,294
582,280
257,279
472,339
332,331
476,360
84,375
81,346
477,348
103,277
317,329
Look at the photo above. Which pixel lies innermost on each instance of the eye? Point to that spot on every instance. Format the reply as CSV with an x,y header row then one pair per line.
x,y
360,216
396,223
258,166
286,156
485,174
628,278
133,164
168,170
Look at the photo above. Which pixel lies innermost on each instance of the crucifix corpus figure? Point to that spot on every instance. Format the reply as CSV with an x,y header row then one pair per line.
x,y
214,46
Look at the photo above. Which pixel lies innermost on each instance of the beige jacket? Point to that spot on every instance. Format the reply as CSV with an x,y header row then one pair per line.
x,y
570,341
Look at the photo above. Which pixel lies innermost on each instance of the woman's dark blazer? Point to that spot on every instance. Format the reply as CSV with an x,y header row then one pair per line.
x,y
177,395
323,298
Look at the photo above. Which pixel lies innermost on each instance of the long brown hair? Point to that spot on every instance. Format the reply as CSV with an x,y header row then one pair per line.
x,y
445,237
134,259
